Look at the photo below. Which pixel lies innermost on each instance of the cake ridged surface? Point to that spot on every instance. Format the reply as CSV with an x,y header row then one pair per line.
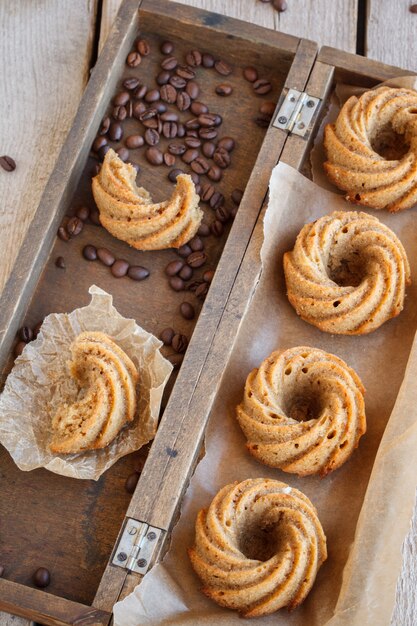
x,y
353,164
107,400
347,273
258,547
128,213
303,411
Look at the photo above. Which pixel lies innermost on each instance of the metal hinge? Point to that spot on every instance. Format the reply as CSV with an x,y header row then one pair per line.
x,y
136,546
296,112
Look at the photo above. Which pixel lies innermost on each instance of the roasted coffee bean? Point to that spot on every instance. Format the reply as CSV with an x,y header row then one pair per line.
x,y
233,212
192,142
195,178
176,360
163,77
222,68
181,130
131,482
133,59
90,253
198,108
98,143
137,272
280,5
152,95
41,578
179,343
187,310
152,122
143,47
121,99
198,189
267,108
130,83
102,152
413,8
119,113
192,124
134,141
183,101
26,334
208,276
216,200
203,230
215,174
207,60
262,86
105,256
18,349
154,156
196,259
185,72
148,114
168,94
95,217
169,159
140,91
221,157
186,273
224,89
177,82
151,137
173,174
115,131
189,156
237,195
222,214
139,109
208,149
217,228
129,109
166,336
228,143
192,134
123,154
192,89
169,64
184,251
262,120
176,283
177,148
250,74
194,285
62,234
174,267
7,163
194,58
74,226
169,130
60,262
202,291
208,134
82,213
200,166
167,47
119,268
207,120
104,127
169,116
196,244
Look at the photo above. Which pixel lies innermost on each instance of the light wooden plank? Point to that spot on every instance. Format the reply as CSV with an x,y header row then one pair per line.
x,y
45,49
391,33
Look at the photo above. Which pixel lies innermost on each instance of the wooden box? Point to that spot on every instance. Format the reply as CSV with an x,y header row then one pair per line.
x,y
79,529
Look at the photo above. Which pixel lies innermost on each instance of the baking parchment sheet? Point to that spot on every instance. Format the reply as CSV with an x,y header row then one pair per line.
x,y
169,593
40,381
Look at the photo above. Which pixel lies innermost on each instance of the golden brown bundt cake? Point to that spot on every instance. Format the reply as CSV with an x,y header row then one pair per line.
x,y
347,273
128,213
372,149
258,547
303,411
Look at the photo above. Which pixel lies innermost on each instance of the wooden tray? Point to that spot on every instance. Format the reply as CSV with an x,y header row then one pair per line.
x,y
71,526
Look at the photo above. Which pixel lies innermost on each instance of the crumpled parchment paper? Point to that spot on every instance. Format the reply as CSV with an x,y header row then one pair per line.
x,y
40,381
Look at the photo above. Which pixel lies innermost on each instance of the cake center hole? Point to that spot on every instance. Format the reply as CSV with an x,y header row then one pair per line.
x,y
389,144
346,270
304,408
260,543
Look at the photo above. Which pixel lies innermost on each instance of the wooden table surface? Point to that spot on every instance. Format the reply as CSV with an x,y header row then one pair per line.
x,y
47,49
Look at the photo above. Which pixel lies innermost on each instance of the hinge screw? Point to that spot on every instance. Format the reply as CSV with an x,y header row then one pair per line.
x,y
301,125
151,536
142,562
310,104
132,530
282,119
122,556
292,99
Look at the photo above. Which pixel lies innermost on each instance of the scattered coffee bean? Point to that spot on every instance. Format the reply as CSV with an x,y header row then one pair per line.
x,y
60,262
207,120
169,64
183,101
7,163
174,267
148,114
176,283
192,124
250,74
208,276
168,94
167,336
216,200
215,174
217,228
189,156
233,212
222,68
203,231
74,226
177,82
169,159
173,174
154,156
176,360
228,143
26,334
95,217
167,47
197,108
119,113
121,99
262,120
222,214
207,60
123,154
115,131
267,108
177,148
82,213
19,348
280,5
133,59
184,250
224,89
103,151
105,256
140,91
151,137
181,130
169,116
192,142
186,273
196,244
221,157
62,234
152,122
130,83
90,253
196,259
179,343
192,89
187,310
163,77
200,166
192,133
169,130
134,141
119,268
195,178
137,272
194,58
208,149
185,72
41,578
152,95
131,482
104,126
143,47
207,133
237,195
202,291
262,86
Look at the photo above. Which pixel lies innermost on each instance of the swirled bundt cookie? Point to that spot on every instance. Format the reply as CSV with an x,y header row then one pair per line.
x,y
107,399
367,128
258,547
128,213
347,273
303,411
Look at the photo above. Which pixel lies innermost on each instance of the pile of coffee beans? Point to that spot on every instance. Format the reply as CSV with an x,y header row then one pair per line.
x,y
118,267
